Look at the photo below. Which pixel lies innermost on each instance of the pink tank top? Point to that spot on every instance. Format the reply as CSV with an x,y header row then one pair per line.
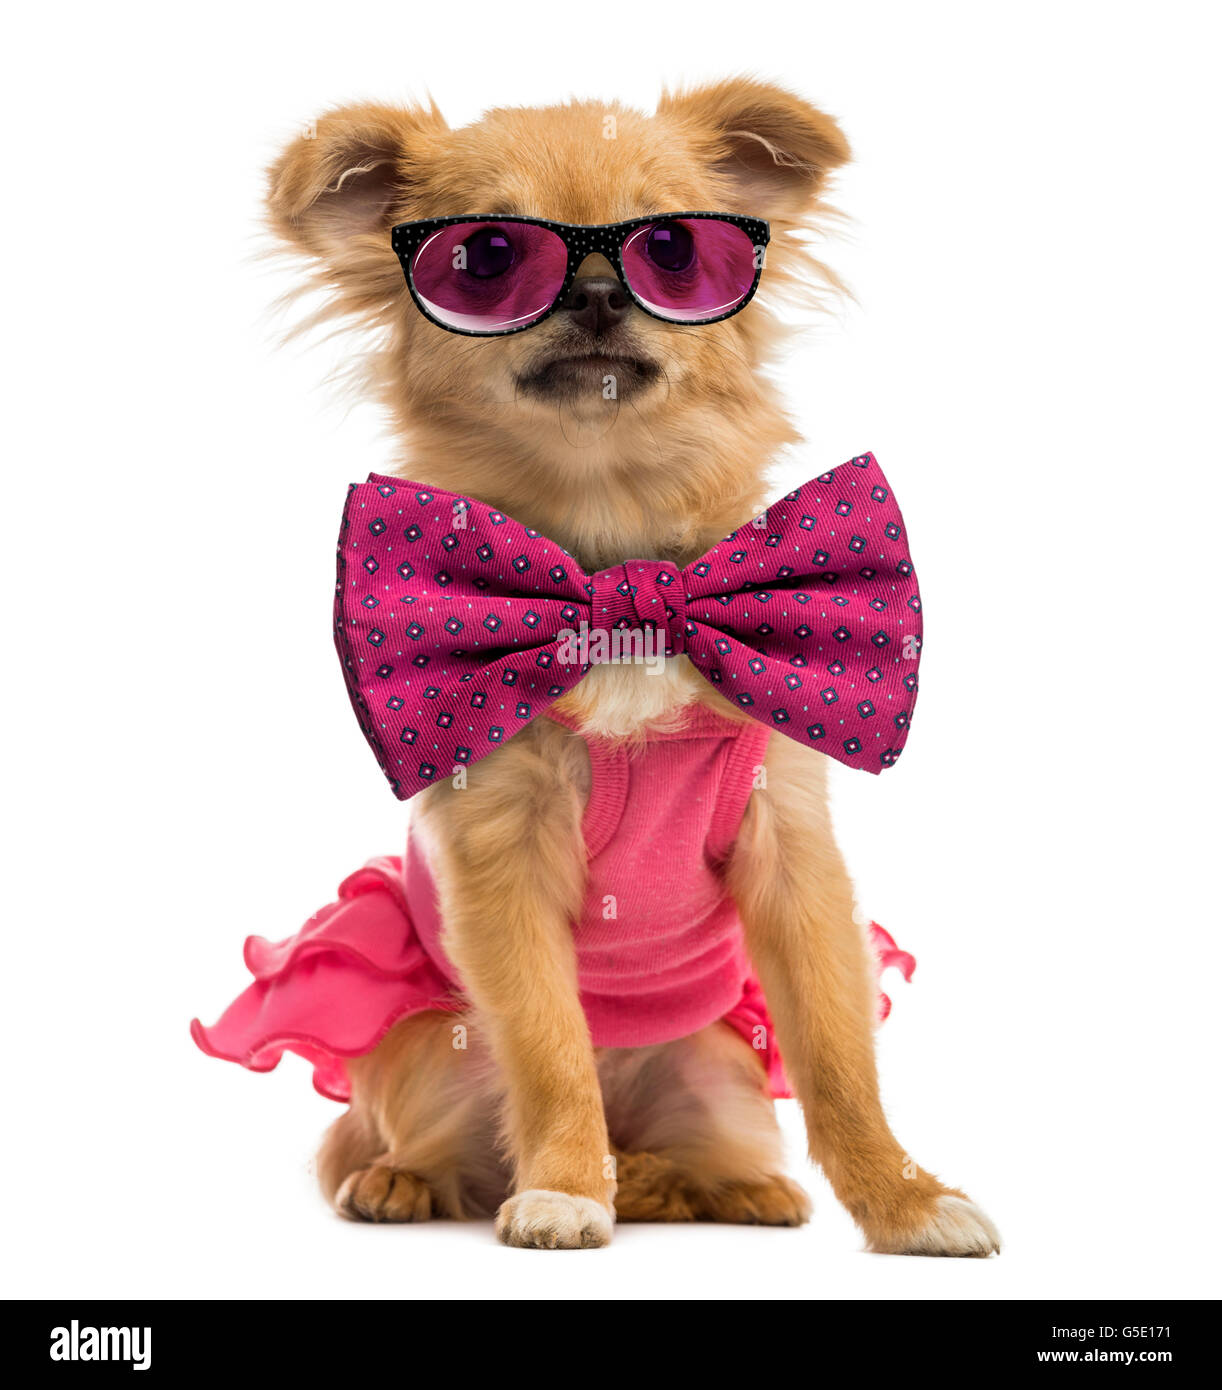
x,y
659,944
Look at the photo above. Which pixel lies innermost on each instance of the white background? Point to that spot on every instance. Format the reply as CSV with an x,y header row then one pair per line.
x,y
1032,356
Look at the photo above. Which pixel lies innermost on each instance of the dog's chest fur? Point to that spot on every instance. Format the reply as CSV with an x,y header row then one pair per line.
x,y
628,700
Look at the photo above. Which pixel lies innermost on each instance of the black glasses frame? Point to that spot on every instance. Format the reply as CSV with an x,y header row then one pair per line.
x,y
604,238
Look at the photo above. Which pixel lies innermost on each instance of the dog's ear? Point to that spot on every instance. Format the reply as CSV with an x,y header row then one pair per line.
x,y
774,149
342,184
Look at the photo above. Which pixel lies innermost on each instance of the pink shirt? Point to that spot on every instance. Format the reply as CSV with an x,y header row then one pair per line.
x,y
660,949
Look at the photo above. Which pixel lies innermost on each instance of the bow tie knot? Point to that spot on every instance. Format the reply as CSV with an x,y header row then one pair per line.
x,y
640,596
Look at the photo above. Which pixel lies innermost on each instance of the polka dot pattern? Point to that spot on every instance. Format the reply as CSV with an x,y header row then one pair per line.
x,y
449,615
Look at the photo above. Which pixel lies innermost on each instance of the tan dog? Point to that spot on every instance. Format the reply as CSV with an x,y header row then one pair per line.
x,y
530,1118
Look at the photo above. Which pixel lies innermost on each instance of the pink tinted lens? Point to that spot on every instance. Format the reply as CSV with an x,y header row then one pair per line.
x,y
690,269
485,277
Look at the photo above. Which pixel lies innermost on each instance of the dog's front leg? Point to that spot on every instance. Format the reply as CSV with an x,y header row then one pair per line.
x,y
512,873
796,902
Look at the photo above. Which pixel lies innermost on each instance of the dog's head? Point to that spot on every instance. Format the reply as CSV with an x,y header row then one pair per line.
x,y
513,417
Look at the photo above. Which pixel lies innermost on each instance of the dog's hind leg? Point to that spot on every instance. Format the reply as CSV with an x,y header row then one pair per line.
x,y
695,1134
419,1138
350,1145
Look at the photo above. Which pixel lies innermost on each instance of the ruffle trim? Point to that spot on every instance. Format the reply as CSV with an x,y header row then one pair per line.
x,y
888,957
336,988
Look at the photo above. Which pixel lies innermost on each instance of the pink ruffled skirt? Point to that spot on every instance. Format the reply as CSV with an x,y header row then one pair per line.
x,y
356,968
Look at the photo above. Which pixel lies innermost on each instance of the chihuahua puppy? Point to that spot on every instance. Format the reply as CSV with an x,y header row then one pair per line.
x,y
528,1119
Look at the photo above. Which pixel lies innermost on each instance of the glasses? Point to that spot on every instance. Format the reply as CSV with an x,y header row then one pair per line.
x,y
492,275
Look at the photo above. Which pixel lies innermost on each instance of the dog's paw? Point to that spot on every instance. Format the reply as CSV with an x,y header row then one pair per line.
x,y
777,1201
381,1193
957,1227
541,1220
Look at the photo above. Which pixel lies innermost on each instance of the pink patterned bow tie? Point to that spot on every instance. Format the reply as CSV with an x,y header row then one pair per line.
x,y
457,625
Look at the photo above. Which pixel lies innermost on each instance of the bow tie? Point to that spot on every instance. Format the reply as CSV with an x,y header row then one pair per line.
x,y
457,625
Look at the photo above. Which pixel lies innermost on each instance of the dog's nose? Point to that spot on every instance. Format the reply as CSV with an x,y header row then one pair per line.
x,y
596,302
